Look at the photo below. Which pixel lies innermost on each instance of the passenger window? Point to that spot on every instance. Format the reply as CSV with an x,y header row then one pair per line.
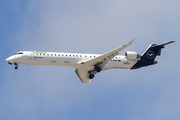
x,y
76,55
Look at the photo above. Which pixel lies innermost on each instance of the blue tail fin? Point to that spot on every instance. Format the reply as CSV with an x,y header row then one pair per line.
x,y
148,57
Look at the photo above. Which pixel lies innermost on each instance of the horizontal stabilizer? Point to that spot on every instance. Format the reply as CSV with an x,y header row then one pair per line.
x,y
163,44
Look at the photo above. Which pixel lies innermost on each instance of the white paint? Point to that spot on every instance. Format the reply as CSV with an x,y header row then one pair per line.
x,y
85,64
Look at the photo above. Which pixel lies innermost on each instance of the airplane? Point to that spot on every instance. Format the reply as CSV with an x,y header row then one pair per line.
x,y
87,65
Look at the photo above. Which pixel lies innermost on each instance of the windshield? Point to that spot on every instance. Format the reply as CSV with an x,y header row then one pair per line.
x,y
18,53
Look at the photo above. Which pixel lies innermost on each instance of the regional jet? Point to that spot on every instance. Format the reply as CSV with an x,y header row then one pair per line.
x,y
87,65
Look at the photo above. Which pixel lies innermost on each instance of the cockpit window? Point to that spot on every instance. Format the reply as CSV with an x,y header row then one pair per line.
x,y
18,53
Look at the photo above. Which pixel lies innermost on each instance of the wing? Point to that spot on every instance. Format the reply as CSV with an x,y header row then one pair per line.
x,y
83,75
101,61
105,58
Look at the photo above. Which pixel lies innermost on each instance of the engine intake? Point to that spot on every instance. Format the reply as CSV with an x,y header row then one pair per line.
x,y
132,55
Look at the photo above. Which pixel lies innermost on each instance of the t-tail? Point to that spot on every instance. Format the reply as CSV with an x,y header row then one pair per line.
x,y
148,57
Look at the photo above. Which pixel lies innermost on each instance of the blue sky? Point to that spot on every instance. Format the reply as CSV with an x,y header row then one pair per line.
x,y
96,26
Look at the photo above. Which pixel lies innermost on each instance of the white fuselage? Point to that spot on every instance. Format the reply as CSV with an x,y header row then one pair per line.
x,y
66,59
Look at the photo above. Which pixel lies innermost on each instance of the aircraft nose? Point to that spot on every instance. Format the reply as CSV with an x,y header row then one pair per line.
x,y
10,59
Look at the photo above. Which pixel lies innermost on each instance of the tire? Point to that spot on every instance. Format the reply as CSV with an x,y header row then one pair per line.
x,y
98,69
91,76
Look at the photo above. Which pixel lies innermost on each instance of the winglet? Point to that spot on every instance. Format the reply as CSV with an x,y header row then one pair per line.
x,y
131,42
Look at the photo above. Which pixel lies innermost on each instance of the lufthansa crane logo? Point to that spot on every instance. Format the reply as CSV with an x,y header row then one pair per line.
x,y
150,54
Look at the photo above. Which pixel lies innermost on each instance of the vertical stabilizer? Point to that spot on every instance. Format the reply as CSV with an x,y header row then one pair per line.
x,y
148,57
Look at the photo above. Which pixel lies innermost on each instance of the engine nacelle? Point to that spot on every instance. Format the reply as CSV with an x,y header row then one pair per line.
x,y
132,55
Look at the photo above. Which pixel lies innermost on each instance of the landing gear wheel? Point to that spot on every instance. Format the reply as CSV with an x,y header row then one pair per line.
x,y
91,76
16,66
98,69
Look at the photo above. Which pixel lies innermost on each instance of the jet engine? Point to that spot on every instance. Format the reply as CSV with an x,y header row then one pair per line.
x,y
132,55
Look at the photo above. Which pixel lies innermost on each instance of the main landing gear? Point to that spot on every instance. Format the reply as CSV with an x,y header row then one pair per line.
x,y
96,69
91,76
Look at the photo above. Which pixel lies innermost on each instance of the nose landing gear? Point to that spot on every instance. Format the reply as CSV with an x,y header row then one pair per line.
x,y
10,63
16,66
